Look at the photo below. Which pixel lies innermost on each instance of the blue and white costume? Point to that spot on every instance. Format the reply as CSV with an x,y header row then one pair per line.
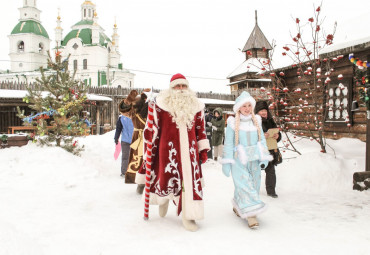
x,y
245,159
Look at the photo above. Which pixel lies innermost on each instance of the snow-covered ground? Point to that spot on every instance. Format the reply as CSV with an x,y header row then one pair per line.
x,y
52,203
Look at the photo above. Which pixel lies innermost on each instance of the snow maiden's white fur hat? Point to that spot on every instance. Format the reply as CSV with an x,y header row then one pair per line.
x,y
242,99
178,79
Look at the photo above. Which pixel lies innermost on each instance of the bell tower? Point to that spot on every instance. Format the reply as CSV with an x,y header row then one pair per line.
x,y
29,41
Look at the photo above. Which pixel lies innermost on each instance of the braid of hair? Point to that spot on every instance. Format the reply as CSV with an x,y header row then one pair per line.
x,y
256,125
237,123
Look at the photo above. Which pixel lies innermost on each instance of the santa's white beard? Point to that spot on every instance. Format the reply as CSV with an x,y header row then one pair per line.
x,y
181,105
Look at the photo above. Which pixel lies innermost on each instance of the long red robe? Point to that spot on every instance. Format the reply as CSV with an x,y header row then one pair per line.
x,y
175,160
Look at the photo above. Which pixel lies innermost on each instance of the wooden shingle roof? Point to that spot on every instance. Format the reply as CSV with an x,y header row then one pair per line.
x,y
257,40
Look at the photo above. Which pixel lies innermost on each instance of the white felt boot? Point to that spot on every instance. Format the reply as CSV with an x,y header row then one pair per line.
x,y
163,208
188,224
252,222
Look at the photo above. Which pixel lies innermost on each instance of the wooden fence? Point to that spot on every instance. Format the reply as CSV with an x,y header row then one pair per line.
x,y
104,114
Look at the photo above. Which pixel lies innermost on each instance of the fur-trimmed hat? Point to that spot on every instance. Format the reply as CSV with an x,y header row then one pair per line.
x,y
261,105
178,79
242,99
126,103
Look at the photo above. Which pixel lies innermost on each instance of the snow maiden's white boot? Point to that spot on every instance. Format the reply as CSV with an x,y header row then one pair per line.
x,y
188,224
163,208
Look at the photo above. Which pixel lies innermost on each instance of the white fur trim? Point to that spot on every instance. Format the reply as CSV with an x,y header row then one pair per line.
x,y
154,199
259,119
179,81
202,182
253,212
140,178
237,106
227,161
264,153
242,126
203,144
194,209
242,155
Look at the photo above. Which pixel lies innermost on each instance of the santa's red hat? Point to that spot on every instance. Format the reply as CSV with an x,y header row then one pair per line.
x,y
178,79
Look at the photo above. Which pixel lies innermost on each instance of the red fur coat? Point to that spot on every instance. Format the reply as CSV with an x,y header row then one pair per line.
x,y
175,160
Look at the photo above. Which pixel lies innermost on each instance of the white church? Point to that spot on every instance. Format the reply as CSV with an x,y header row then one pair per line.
x,y
93,55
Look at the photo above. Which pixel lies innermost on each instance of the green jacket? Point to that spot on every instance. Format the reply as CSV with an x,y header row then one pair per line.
x,y
218,128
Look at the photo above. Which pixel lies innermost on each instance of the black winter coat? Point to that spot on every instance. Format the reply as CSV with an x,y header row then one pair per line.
x,y
269,123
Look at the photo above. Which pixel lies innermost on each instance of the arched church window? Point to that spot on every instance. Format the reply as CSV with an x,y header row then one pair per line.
x,y
85,64
21,46
89,13
75,46
41,47
84,13
75,64
109,49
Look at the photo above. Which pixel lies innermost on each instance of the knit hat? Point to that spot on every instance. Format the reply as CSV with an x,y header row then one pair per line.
x,y
261,105
178,79
242,99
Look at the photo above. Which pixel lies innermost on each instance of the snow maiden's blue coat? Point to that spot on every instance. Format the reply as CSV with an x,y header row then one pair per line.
x,y
245,162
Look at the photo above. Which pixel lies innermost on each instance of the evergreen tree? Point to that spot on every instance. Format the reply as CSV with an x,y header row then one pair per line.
x,y
58,100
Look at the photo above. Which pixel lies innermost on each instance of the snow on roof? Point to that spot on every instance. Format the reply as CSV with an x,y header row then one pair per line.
x,y
208,101
343,45
9,93
261,80
251,65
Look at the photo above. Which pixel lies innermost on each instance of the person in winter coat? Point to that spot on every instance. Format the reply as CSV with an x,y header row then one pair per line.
x,y
268,122
125,129
208,118
218,131
179,145
245,154
138,118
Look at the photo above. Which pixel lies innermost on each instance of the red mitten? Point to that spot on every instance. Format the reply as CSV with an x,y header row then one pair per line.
x,y
203,156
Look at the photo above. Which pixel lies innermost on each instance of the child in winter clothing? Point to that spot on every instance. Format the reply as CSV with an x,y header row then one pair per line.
x,y
125,129
245,153
218,131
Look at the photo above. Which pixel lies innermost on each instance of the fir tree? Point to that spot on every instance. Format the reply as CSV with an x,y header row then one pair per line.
x,y
58,100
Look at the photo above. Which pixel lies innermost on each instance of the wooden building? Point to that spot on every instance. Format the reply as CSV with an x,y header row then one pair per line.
x,y
247,75
340,120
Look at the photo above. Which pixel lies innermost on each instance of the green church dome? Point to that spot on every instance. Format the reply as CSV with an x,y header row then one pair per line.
x,y
30,26
86,36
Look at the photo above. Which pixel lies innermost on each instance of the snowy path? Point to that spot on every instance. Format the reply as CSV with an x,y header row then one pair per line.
x,y
55,203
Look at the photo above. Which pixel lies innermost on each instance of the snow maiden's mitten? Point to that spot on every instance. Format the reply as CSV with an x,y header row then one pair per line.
x,y
226,169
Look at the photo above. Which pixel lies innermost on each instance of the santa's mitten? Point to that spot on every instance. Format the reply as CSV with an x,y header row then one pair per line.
x,y
214,128
226,169
203,156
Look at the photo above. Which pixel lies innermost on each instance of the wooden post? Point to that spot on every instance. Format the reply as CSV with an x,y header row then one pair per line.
x,y
98,118
360,177
367,155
